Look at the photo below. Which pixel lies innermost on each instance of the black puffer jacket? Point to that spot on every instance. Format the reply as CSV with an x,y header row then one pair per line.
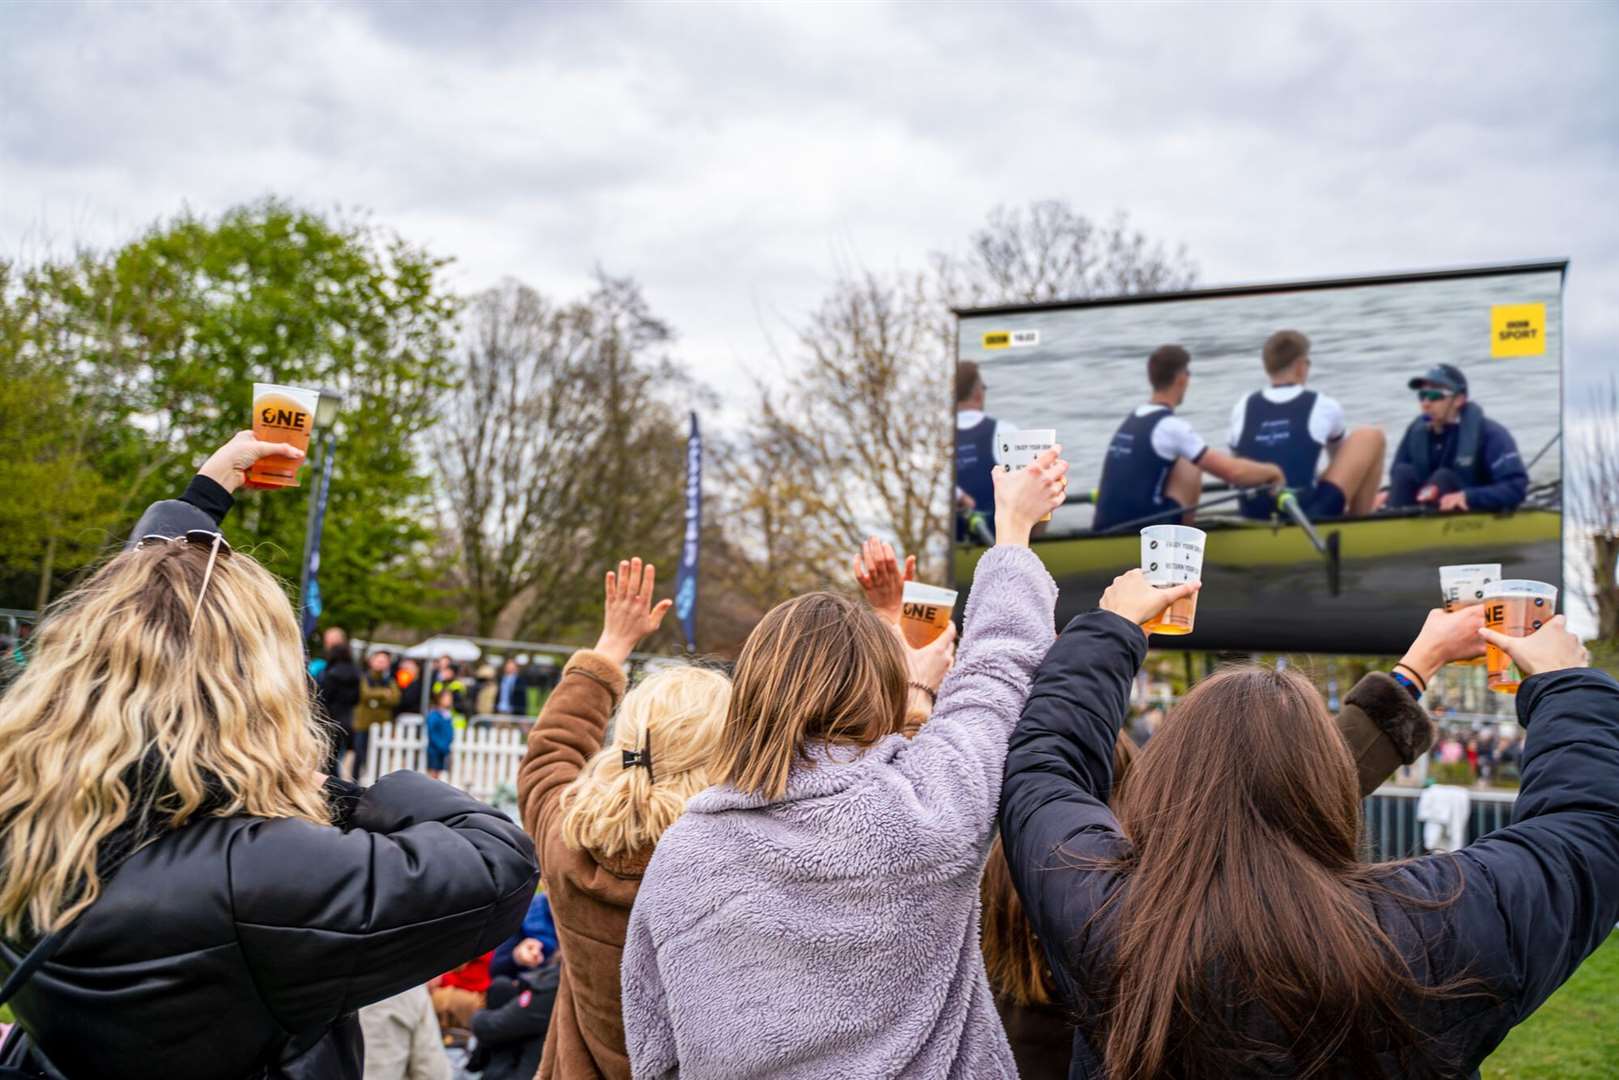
x,y
236,948
1536,898
240,947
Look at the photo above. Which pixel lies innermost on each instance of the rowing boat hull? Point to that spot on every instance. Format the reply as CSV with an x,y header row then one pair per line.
x,y
1265,588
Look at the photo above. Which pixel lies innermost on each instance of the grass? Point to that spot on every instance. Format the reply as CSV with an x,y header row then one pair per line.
x,y
1573,1035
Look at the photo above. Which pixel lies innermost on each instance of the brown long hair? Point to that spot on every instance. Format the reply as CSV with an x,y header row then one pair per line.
x,y
818,668
1247,897
1013,959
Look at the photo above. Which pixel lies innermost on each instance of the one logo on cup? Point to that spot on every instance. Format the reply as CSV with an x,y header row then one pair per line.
x,y
1153,545
1539,603
1154,566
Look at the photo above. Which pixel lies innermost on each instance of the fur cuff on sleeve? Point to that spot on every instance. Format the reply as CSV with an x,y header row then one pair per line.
x,y
593,665
1397,715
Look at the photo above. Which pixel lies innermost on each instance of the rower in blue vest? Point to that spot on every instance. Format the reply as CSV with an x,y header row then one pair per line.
x,y
1452,456
977,450
1290,425
1153,472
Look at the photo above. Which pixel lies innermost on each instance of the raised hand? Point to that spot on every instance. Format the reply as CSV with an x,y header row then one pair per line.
x,y
1133,598
228,465
1446,636
1024,496
876,567
630,614
1551,648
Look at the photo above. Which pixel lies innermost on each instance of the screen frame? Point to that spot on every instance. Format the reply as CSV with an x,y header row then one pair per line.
x,y
1560,265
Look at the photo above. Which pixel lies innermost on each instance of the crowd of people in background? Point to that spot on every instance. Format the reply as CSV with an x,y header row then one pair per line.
x,y
849,856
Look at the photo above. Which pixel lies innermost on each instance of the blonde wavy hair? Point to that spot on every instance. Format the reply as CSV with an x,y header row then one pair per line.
x,y
610,810
126,713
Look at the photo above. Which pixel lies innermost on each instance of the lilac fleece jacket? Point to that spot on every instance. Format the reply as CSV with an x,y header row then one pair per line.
x,y
834,932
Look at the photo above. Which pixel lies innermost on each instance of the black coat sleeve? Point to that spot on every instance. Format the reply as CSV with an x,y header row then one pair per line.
x,y
1059,774
1540,895
203,505
330,920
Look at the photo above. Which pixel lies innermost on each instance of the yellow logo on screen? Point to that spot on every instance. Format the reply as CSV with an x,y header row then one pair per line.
x,y
1518,330
998,339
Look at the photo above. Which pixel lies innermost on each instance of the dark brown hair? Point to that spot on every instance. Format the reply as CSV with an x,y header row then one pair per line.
x,y
1245,886
817,668
1017,969
967,380
1165,365
1282,348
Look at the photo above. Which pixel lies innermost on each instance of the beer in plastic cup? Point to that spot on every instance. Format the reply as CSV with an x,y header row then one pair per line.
x,y
925,612
1516,608
1463,586
1020,448
1173,555
283,414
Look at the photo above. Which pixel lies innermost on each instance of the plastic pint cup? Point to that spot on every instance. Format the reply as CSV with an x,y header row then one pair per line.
x,y
1020,448
1173,555
925,612
1463,586
1516,608
283,414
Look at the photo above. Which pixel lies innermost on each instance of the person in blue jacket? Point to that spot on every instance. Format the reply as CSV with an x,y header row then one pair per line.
x,y
977,453
1453,457
440,733
531,947
1223,922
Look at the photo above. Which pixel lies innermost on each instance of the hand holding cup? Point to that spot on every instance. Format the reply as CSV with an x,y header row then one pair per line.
x,y
228,465
1024,496
1132,597
1551,648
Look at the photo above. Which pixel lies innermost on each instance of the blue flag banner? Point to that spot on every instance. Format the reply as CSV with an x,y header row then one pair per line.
x,y
686,579
311,597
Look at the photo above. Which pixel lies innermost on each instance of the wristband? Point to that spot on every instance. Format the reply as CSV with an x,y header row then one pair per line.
x,y
1410,682
933,697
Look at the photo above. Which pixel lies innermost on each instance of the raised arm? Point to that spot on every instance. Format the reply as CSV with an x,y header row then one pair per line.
x,y
425,878
1383,721
210,494
1059,767
570,727
955,761
1541,894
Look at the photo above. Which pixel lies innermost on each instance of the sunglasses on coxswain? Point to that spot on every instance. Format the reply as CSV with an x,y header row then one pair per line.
x,y
1434,395
216,544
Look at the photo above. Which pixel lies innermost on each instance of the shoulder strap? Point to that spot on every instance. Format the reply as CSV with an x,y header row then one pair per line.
x,y
1468,438
42,951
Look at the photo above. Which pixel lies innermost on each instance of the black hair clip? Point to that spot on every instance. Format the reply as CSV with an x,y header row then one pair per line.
x,y
642,757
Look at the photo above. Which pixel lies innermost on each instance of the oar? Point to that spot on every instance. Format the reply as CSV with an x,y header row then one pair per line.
x,y
1288,504
1549,444
1167,516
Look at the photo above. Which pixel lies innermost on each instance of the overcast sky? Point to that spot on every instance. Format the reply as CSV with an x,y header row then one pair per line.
x,y
733,157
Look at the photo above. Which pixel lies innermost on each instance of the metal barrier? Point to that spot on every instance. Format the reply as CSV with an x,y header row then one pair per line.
x,y
1393,831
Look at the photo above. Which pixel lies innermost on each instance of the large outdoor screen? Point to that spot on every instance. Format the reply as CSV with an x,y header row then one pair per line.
x,y
1413,420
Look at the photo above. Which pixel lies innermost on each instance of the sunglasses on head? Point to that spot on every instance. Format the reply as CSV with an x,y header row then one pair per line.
x,y
1434,395
215,542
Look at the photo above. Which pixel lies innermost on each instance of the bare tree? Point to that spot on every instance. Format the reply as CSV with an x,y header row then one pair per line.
x,y
1591,492
858,440
861,438
1049,251
560,453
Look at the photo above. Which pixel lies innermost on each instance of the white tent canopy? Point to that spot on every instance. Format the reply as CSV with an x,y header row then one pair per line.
x,y
458,649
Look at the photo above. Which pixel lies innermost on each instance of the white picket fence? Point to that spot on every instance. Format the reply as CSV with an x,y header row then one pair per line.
x,y
483,760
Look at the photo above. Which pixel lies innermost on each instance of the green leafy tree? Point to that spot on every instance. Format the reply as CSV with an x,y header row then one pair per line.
x,y
163,339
